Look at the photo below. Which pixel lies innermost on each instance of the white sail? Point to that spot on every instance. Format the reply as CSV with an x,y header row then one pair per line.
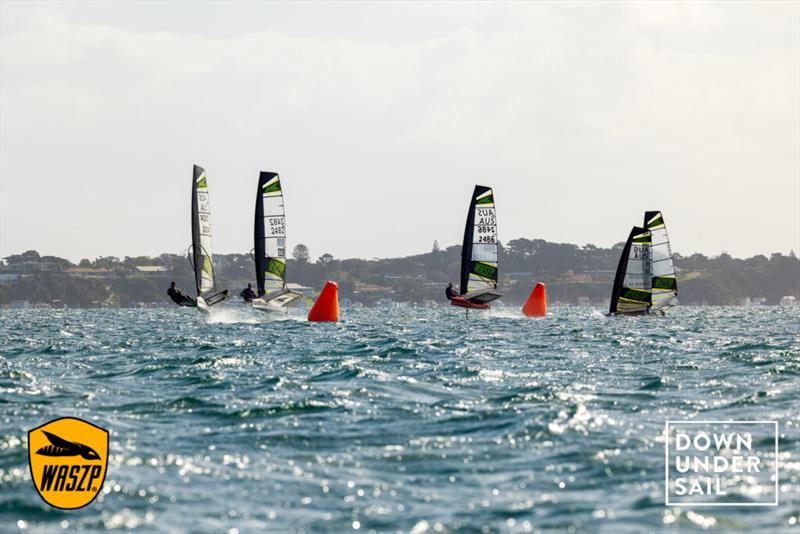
x,y
201,233
483,256
635,296
270,246
645,280
663,282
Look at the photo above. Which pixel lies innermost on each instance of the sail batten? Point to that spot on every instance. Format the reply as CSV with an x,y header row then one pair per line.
x,y
201,233
270,235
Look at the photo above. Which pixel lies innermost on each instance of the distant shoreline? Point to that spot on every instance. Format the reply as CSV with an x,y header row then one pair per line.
x,y
575,275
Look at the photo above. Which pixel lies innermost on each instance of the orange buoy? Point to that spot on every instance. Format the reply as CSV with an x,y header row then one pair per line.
x,y
536,305
326,308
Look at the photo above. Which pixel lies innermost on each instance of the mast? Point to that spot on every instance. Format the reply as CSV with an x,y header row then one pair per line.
x,y
635,296
466,247
622,266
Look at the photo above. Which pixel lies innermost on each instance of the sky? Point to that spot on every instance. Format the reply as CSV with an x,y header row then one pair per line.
x,y
381,118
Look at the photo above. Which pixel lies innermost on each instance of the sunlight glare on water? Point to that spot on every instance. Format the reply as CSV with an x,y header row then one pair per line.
x,y
412,420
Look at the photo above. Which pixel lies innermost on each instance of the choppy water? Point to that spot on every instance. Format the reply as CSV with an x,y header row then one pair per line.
x,y
394,420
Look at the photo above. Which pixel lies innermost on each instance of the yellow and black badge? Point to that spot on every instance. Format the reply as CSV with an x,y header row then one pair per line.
x,y
68,459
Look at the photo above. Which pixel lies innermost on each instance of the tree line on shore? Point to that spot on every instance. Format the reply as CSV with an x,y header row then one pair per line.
x,y
573,274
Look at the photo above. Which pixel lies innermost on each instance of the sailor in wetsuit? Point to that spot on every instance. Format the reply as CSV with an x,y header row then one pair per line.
x,y
450,292
247,293
179,297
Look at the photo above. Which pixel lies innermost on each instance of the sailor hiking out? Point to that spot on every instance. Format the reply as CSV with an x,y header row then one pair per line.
x,y
179,297
247,293
450,292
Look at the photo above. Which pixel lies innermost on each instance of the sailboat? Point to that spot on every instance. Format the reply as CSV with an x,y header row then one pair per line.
x,y
479,253
645,281
200,251
269,251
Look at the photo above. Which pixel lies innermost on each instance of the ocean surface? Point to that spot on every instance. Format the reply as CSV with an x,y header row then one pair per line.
x,y
394,420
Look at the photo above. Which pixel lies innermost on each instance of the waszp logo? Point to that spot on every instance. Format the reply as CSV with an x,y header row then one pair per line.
x,y
68,458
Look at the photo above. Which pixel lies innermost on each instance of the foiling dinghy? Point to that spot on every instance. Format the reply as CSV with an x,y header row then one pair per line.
x,y
479,253
269,251
200,251
645,281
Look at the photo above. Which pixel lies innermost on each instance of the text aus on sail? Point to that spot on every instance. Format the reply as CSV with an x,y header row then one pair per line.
x,y
486,226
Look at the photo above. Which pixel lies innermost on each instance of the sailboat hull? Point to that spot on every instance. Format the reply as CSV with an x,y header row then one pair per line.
x,y
266,306
461,302
275,303
204,303
216,298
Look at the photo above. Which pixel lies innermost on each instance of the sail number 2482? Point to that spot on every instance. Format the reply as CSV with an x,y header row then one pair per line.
x,y
277,226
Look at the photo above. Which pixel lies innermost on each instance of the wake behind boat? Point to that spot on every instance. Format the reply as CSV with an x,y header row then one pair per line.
x,y
645,280
479,253
269,251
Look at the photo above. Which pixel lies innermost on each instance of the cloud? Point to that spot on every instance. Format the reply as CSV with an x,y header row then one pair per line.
x,y
581,117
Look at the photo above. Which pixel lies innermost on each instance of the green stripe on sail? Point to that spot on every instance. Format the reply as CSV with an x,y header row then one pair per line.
x,y
201,182
636,294
658,220
488,199
273,186
625,306
665,282
484,270
207,269
276,266
642,239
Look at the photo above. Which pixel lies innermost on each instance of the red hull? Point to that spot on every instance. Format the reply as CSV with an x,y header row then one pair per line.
x,y
461,302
